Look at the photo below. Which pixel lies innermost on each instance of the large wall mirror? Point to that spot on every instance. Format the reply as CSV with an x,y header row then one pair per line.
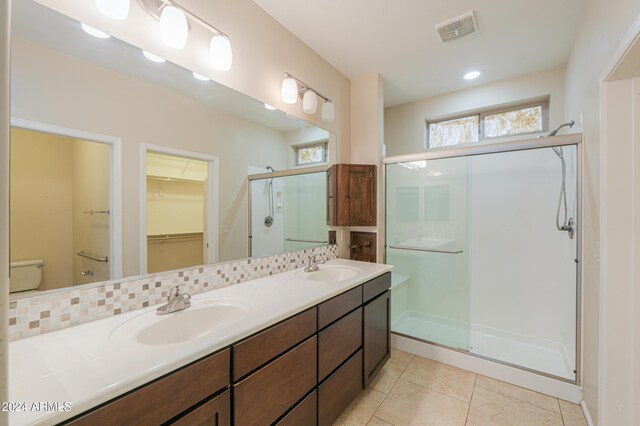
x,y
124,164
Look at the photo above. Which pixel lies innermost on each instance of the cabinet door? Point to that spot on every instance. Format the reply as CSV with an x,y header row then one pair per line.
x,y
336,392
361,195
215,412
377,337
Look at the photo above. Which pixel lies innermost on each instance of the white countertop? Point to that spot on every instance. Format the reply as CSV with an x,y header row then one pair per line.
x,y
83,366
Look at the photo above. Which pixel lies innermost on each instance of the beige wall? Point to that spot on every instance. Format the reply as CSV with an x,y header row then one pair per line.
x,y
139,112
262,51
176,254
602,29
91,233
367,129
42,203
174,207
404,125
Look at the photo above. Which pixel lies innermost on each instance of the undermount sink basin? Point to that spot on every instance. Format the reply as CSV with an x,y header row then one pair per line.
x,y
332,273
202,318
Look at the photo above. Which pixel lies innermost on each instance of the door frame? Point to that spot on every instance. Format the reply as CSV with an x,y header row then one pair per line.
x,y
211,201
619,301
115,181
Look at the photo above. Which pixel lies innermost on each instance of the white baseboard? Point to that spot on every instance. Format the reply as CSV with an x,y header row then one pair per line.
x,y
587,415
536,382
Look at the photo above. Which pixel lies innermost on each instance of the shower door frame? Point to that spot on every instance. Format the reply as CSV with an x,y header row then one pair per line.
x,y
574,139
272,175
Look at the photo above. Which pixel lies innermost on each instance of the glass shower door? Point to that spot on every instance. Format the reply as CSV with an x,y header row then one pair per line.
x,y
485,250
427,242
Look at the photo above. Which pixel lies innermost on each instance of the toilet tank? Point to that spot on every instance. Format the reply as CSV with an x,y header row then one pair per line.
x,y
25,275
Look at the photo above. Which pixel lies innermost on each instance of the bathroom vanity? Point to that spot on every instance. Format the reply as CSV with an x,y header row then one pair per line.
x,y
303,349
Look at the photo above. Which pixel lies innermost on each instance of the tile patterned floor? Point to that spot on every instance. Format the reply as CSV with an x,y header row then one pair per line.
x,y
411,390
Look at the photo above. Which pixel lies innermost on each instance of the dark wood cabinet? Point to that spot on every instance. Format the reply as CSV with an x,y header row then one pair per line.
x,y
267,394
166,398
262,347
376,328
215,412
304,370
336,393
338,341
304,413
351,195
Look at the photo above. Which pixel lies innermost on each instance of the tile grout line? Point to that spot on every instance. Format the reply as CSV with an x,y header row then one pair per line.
x,y
561,415
466,420
437,391
523,402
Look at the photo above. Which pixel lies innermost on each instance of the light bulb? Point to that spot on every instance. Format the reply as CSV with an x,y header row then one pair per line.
x,y
220,53
94,31
289,91
471,75
174,27
309,102
155,58
328,112
114,9
269,107
200,76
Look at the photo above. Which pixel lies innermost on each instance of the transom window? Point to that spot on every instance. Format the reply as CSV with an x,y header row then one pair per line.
x,y
311,154
489,124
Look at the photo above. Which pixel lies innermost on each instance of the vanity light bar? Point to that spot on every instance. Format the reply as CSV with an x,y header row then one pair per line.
x,y
304,87
175,31
154,8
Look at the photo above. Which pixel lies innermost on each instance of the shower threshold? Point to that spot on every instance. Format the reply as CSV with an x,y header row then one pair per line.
x,y
528,352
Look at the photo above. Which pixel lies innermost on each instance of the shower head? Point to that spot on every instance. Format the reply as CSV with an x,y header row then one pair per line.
x,y
271,169
555,132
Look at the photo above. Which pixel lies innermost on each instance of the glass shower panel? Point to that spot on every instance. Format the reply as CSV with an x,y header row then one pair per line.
x,y
522,267
427,242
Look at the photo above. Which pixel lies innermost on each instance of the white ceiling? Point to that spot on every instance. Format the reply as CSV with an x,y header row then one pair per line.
x,y
398,40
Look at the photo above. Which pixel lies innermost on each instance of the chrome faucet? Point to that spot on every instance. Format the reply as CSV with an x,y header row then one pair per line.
x,y
175,302
313,264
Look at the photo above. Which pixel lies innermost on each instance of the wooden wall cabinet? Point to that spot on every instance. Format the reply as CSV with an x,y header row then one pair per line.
x,y
351,195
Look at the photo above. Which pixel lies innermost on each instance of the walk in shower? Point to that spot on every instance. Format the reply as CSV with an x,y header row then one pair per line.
x,y
485,245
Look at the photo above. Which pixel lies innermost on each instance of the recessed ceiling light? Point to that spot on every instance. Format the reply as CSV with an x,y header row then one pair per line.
x,y
94,31
269,107
155,58
471,75
200,76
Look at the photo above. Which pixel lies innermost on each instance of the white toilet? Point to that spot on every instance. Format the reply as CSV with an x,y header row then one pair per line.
x,y
25,275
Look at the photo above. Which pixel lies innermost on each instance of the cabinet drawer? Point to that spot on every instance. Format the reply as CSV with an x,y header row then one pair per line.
x,y
266,345
337,392
376,286
305,413
336,307
338,341
267,394
215,412
167,397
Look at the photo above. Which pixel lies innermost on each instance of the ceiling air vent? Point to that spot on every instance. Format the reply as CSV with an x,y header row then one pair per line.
x,y
457,28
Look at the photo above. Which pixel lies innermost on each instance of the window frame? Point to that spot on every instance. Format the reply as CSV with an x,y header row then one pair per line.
x,y
483,113
325,153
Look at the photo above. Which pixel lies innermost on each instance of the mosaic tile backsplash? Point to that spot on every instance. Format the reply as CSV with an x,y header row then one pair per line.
x,y
39,314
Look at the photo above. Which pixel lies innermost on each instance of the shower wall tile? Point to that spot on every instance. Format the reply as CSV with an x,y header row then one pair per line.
x,y
38,314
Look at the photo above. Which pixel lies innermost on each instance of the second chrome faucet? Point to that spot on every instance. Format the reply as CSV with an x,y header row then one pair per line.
x,y
314,264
